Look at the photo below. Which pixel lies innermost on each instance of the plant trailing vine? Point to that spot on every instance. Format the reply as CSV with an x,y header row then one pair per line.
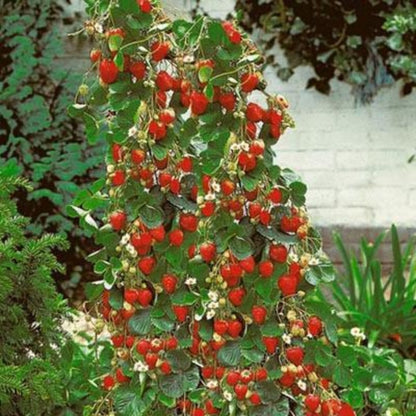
x,y
368,45
208,259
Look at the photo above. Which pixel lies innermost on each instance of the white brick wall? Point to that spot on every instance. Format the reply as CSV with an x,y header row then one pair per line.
x,y
353,159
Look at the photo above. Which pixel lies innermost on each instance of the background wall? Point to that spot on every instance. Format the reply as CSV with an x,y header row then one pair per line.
x,y
353,158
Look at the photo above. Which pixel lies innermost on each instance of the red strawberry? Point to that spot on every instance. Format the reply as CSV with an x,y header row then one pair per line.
x,y
247,161
287,284
151,360
255,399
233,35
95,55
181,312
143,347
121,378
108,382
146,265
176,238
233,377
234,328
160,50
185,164
251,130
207,372
295,355
199,103
118,220
275,131
346,410
158,233
165,179
108,71
274,117
208,251
138,69
210,408
271,344
266,268
164,81
208,208
278,253
131,295
157,130
198,412
248,264
228,101
331,407
265,217
259,314
257,147
171,343
145,5
240,391
118,178
130,340
161,99
227,187
145,297
169,283
275,196
314,326
167,116
236,296
138,156
287,379
117,152
117,340
254,113
188,222
249,82
165,368
260,374
246,376
312,402
220,327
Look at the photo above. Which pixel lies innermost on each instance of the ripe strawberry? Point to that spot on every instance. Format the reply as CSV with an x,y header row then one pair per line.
x,y
255,399
165,368
234,328
181,312
314,326
233,377
295,355
254,209
346,410
312,402
275,196
176,237
227,187
164,81
233,35
138,156
257,147
145,5
145,297
158,233
165,179
95,55
219,372
247,161
167,116
199,103
259,314
184,405
188,222
138,69
220,327
108,382
287,284
249,82
161,99
118,220
117,340
186,164
274,117
331,407
143,347
169,283
157,130
246,376
171,343
207,372
271,344
210,408
198,412
287,379
254,113
265,217
108,71
130,340
208,251
275,131
266,268
151,359
248,264
118,178
208,208
117,152
146,265
228,101
278,253
121,378
192,251
160,50
260,374
236,296
251,130
131,295
240,391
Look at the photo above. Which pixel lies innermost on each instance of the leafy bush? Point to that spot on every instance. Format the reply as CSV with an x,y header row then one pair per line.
x,y
37,135
382,304
30,312
367,45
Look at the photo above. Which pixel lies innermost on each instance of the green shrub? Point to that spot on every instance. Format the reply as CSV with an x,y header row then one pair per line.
x,y
37,134
30,312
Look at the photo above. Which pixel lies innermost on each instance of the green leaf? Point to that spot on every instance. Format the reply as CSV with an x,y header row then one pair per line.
x,y
320,273
268,391
205,73
116,299
241,247
140,323
230,354
178,360
281,408
342,376
151,216
184,297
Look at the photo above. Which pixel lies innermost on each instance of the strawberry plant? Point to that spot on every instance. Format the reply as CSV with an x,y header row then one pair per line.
x,y
208,256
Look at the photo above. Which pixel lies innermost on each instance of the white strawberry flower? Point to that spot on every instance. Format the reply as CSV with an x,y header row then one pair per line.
x,y
228,396
125,239
287,339
190,281
213,305
302,385
210,314
212,384
133,131
245,146
216,186
141,367
213,295
210,197
98,28
234,147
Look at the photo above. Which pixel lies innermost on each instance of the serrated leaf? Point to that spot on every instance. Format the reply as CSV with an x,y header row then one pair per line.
x,y
140,323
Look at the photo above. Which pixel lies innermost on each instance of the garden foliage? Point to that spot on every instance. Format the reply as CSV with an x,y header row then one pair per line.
x,y
207,249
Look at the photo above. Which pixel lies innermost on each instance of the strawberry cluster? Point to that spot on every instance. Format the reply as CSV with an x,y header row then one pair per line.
x,y
207,244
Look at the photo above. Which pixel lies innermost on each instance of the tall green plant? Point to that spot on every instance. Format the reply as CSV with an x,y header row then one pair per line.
x,y
382,304
30,312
